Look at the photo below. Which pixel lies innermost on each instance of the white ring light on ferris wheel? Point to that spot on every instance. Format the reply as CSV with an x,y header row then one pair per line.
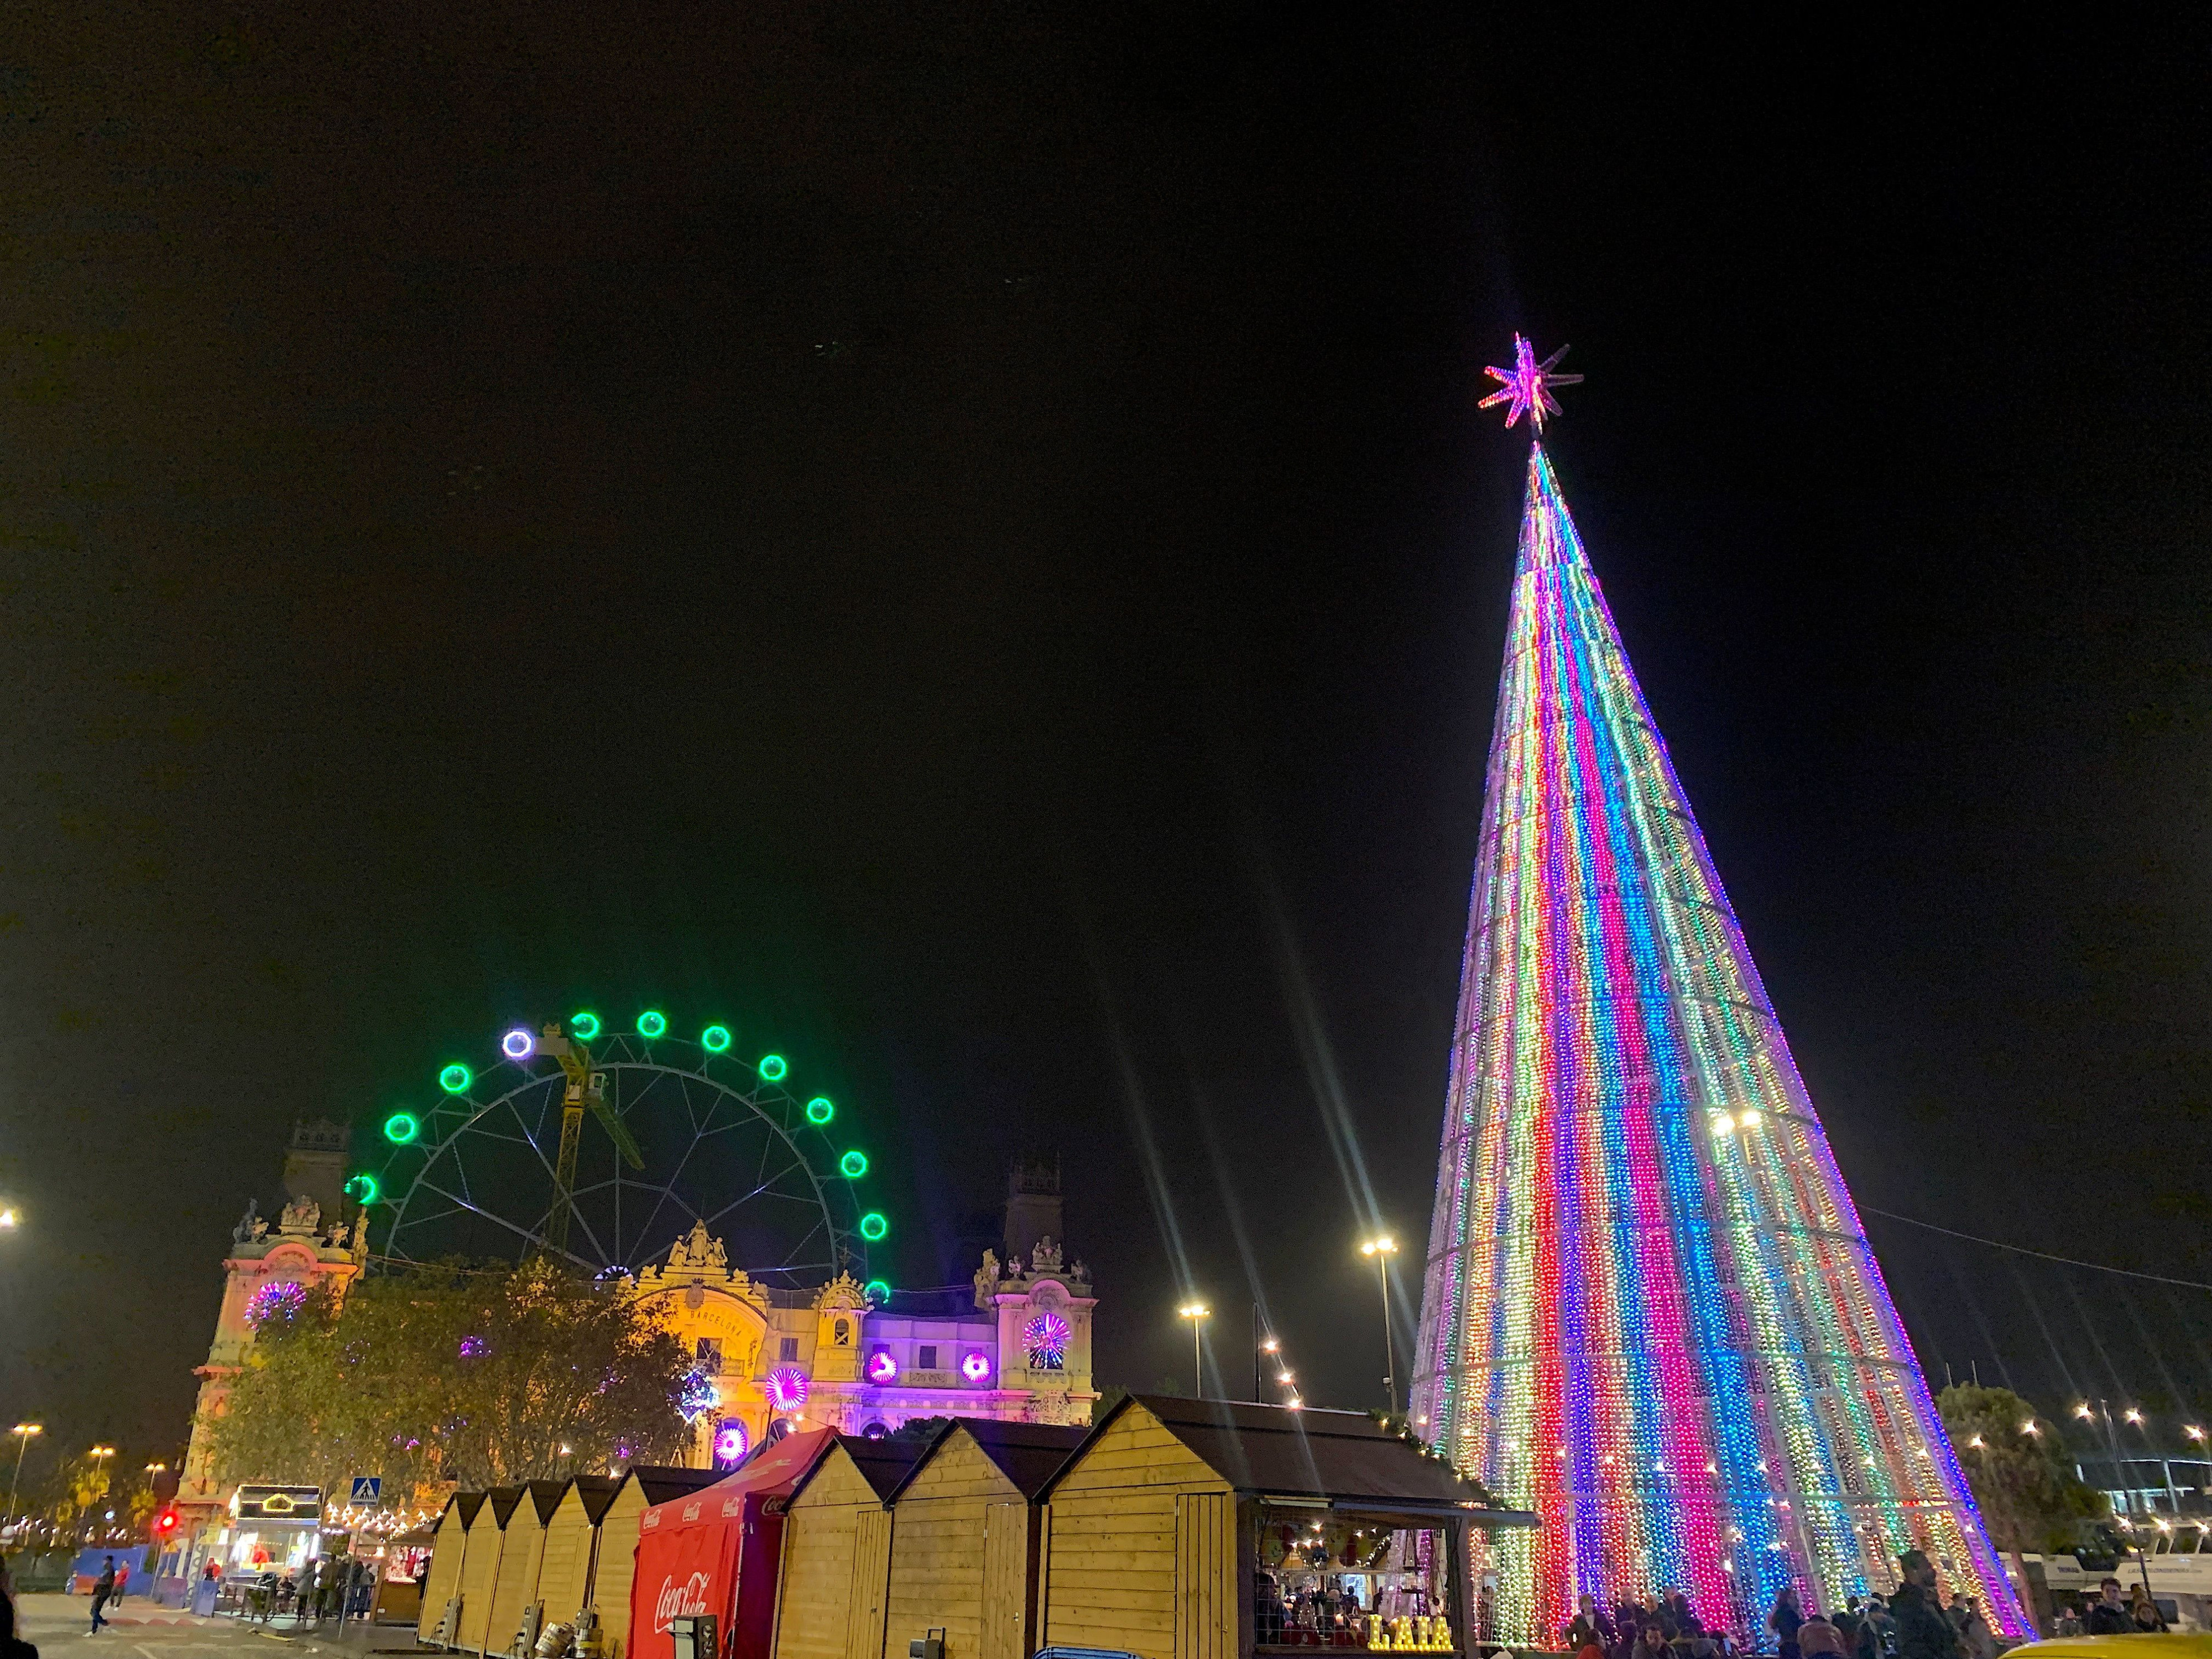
x,y
725,1143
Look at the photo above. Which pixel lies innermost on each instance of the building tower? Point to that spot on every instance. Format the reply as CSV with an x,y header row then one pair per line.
x,y
1650,1312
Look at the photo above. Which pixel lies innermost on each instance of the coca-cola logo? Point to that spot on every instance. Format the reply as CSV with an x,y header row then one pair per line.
x,y
685,1600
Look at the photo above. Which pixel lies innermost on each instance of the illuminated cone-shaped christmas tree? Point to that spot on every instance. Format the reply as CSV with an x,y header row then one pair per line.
x,y
1650,1314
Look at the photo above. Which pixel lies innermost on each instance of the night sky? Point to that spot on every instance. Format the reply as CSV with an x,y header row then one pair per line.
x,y
958,540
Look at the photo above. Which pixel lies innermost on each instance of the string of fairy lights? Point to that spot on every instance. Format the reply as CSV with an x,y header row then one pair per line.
x,y
1653,1316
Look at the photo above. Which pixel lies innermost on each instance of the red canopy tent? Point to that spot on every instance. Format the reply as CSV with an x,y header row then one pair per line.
x,y
715,1552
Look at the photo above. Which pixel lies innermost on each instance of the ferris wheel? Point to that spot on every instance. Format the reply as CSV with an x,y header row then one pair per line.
x,y
604,1148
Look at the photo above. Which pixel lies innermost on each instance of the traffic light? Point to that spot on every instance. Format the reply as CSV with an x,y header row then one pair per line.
x,y
165,1526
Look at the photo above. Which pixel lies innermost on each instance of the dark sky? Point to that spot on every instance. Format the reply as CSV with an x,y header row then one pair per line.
x,y
957,539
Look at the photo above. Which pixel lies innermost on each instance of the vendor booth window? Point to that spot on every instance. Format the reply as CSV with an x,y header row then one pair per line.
x,y
1331,1580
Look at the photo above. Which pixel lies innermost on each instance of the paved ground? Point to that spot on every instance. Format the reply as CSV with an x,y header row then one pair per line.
x,y
139,1629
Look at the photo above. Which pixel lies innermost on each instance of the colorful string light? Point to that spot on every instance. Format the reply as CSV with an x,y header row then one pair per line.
x,y
1650,1313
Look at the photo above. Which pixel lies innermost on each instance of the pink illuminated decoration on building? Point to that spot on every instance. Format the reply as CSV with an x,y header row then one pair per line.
x,y
883,1367
277,1301
1650,1311
786,1388
1527,386
1046,1337
731,1444
976,1367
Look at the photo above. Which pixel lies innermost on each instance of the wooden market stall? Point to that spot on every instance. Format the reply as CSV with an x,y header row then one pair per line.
x,y
522,1549
440,1613
836,1551
1206,1529
572,1547
961,1529
398,1597
480,1566
640,1490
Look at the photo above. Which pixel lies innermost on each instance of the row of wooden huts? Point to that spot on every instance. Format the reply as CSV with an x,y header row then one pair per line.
x,y
1139,1534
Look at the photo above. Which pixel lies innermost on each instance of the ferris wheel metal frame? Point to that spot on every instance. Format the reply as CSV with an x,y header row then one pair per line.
x,y
488,1134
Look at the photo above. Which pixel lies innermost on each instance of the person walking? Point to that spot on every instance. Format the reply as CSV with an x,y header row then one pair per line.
x,y
1974,1630
1786,1620
102,1587
1925,1631
1651,1644
2143,1613
1819,1639
2109,1615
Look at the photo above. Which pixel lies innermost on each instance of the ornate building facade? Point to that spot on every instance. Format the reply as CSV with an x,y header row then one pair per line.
x,y
1015,1345
310,1244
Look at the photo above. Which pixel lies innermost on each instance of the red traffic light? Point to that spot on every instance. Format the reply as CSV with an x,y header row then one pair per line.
x,y
165,1522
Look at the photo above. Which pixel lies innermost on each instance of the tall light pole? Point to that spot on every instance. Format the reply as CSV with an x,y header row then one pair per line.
x,y
1198,1313
22,1431
1382,1249
1269,1347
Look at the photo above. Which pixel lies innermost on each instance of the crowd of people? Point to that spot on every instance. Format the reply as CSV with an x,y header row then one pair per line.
x,y
1912,1622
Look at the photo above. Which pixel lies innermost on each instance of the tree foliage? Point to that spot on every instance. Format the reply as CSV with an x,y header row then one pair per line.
x,y
447,1373
2029,1498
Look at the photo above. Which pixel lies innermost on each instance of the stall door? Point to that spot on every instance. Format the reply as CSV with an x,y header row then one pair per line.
x,y
872,1564
1206,1577
1005,1580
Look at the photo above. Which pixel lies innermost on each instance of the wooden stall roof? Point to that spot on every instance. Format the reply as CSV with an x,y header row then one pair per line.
x,y
421,1538
503,1500
661,1481
468,1503
1027,1454
595,1492
544,1497
1345,1459
885,1464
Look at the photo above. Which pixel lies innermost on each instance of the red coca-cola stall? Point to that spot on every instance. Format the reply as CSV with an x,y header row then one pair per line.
x,y
713,1554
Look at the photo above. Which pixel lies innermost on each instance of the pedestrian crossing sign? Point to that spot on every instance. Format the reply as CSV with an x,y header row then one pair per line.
x,y
367,1489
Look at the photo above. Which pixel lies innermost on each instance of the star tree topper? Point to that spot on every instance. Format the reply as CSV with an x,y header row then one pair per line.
x,y
1526,388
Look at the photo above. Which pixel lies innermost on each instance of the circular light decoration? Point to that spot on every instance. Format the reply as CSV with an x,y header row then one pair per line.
x,y
873,1225
455,1079
362,1189
819,1110
1046,1338
281,1301
854,1164
518,1043
584,1024
652,1023
715,1039
696,1396
977,1368
401,1127
786,1388
882,1366
731,1442
879,1291
876,1431
773,1067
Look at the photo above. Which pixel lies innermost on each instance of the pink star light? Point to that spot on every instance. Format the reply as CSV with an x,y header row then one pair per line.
x,y
1526,387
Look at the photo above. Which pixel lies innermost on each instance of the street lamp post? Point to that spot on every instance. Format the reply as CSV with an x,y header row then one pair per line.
x,y
22,1431
1382,1249
1268,1346
2119,1471
1198,1313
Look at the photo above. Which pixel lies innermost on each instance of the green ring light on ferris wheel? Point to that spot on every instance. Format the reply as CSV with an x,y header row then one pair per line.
x,y
819,1110
854,1164
715,1039
774,1067
455,1079
401,1127
874,1226
586,1025
363,1189
652,1023
879,1291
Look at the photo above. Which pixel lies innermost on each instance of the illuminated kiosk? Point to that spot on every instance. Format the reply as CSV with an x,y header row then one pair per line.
x,y
1650,1312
